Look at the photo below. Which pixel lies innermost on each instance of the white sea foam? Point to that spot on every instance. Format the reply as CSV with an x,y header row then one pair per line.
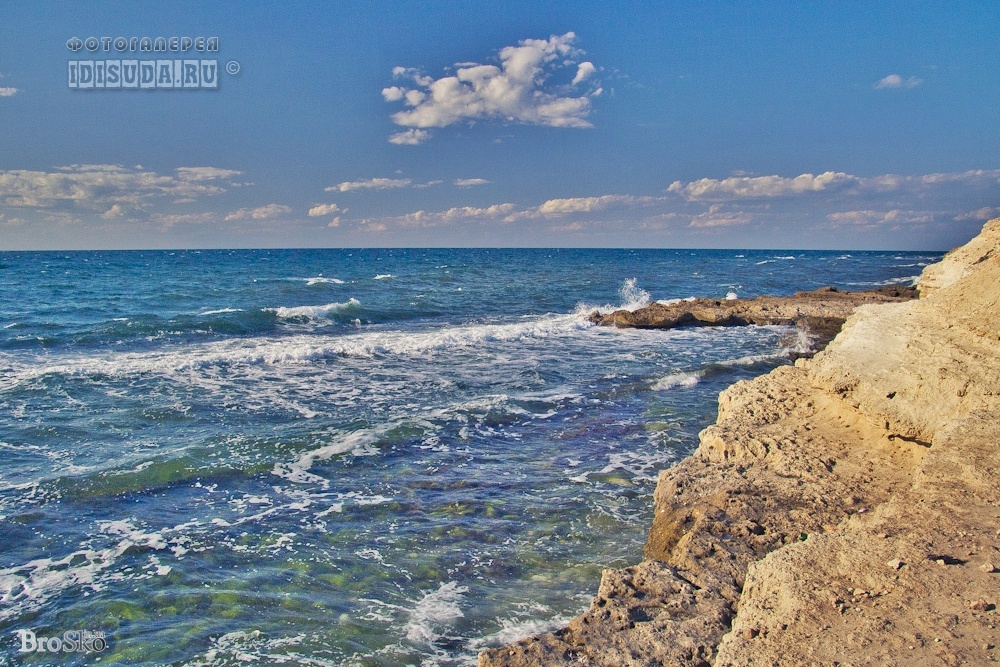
x,y
313,312
297,471
320,280
178,363
384,276
27,586
222,311
514,629
632,298
731,296
434,612
684,379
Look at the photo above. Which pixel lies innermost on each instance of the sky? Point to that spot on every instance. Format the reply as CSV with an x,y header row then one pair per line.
x,y
664,124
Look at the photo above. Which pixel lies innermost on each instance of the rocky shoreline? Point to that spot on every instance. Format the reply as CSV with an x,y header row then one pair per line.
x,y
820,313
841,511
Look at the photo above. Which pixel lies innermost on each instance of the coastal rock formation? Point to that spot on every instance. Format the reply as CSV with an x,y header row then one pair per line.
x,y
821,313
844,510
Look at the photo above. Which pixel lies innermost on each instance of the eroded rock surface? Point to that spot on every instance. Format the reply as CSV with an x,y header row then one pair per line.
x,y
845,510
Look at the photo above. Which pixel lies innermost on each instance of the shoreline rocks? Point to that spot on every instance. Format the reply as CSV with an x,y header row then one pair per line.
x,y
820,313
844,510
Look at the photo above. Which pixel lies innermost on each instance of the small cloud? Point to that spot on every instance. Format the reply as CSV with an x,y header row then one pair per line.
x,y
168,221
370,184
115,211
323,209
591,204
468,182
13,222
869,218
583,70
410,137
335,222
897,81
261,213
204,173
984,213
571,227
8,92
715,216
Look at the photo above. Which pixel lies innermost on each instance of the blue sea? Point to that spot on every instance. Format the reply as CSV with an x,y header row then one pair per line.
x,y
350,457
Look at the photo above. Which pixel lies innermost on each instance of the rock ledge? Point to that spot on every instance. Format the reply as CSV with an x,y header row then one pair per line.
x,y
842,511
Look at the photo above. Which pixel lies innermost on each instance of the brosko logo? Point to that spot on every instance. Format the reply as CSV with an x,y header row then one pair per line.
x,y
71,641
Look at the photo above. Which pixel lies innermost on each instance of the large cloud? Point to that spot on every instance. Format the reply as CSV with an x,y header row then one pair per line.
x,y
519,90
104,186
760,186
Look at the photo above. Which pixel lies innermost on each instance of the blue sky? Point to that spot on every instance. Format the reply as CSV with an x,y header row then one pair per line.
x,y
643,124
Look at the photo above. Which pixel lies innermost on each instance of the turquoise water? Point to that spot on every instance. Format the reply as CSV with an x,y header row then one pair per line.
x,y
349,457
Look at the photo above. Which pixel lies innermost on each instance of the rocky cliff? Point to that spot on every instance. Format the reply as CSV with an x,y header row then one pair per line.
x,y
842,511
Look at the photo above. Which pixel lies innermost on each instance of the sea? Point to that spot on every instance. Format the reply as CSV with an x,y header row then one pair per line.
x,y
340,457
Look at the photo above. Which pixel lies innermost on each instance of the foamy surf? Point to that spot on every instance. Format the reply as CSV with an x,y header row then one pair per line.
x,y
434,612
313,312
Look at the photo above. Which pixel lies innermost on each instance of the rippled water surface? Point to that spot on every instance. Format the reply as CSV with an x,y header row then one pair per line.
x,y
349,457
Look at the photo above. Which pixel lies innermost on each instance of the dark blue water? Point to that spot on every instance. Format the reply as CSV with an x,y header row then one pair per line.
x,y
349,457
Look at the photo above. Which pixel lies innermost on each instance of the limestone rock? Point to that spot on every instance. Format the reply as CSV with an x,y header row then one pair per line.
x,y
806,527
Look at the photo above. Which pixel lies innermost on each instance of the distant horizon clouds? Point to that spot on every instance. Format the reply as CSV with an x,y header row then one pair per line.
x,y
519,90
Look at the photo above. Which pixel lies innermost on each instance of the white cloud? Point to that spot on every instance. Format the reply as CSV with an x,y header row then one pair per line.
x,y
984,213
370,184
205,173
897,81
588,204
716,216
116,211
496,212
410,137
335,222
100,186
867,218
760,186
8,92
168,221
261,213
323,209
467,182
516,91
584,70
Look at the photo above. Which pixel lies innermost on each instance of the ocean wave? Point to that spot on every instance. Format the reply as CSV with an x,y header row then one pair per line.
x,y
314,312
320,280
222,311
683,379
384,276
632,297
299,349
